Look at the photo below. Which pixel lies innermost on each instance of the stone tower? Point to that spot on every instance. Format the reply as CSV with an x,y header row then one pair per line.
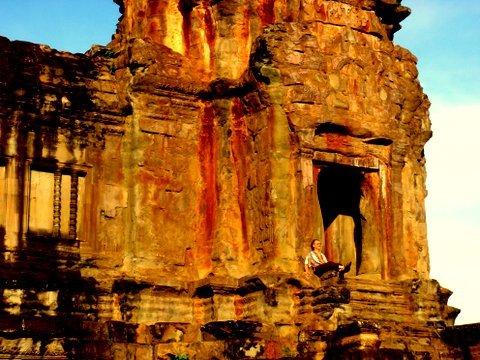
x,y
158,195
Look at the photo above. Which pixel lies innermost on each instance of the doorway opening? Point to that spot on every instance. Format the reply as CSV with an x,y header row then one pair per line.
x,y
339,190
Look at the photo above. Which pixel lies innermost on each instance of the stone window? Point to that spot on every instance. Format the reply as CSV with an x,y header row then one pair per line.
x,y
55,203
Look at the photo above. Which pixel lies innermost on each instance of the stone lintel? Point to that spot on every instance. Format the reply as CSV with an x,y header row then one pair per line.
x,y
328,158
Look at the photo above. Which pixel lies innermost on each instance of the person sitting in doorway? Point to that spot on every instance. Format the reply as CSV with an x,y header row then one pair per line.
x,y
318,263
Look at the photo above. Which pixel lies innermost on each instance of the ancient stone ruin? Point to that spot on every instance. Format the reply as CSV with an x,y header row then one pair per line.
x,y
158,195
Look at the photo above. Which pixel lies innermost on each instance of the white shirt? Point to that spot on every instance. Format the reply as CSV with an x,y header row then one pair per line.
x,y
312,260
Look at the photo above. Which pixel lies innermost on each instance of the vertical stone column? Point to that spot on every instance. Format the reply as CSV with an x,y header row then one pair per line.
x,y
12,211
199,33
230,58
319,230
328,246
2,199
72,225
283,182
232,242
310,222
414,227
395,243
26,198
386,218
57,202
372,225
12,196
27,178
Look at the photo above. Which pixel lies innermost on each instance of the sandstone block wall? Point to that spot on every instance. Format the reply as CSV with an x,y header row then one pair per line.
x,y
158,195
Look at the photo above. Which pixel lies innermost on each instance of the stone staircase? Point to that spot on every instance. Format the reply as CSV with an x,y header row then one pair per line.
x,y
407,322
374,301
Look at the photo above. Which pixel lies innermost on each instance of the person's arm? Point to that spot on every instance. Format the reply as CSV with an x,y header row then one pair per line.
x,y
308,268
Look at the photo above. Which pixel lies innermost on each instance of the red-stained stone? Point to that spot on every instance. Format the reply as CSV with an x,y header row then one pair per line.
x,y
198,136
266,11
207,156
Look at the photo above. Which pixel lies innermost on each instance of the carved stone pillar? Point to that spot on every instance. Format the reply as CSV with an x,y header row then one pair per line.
x,y
72,225
57,202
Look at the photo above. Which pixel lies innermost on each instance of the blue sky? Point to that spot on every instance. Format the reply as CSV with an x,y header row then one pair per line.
x,y
63,24
443,34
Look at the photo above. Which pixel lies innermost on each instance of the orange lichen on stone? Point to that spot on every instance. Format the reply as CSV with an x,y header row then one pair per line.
x,y
239,143
207,154
158,196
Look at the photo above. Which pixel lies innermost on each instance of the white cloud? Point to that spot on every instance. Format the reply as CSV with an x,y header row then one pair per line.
x,y
453,204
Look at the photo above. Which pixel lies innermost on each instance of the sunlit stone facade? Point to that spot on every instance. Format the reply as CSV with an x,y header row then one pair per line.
x,y
158,195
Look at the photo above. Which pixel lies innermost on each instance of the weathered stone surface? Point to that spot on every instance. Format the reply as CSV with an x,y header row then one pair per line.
x,y
157,195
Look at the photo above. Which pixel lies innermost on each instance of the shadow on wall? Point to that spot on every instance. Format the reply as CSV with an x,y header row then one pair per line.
x,y
43,295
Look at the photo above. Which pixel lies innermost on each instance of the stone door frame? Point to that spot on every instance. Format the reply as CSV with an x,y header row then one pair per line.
x,y
377,232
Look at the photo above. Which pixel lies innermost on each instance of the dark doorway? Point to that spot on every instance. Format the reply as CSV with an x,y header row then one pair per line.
x,y
339,193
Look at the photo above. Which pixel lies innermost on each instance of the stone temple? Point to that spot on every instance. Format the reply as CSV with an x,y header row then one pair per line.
x,y
158,195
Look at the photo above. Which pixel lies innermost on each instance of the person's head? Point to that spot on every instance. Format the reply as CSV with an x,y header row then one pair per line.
x,y
316,245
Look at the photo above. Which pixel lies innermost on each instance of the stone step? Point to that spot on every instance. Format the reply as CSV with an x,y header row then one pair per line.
x,y
377,318
373,305
380,297
358,284
375,311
